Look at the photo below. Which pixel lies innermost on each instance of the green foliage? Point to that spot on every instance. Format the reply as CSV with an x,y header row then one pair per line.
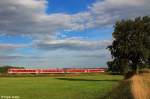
x,y
4,69
114,66
131,45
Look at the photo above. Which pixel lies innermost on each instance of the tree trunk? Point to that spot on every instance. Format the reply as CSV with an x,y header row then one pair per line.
x,y
125,66
135,69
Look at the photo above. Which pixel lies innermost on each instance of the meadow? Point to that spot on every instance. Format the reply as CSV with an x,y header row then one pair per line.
x,y
93,86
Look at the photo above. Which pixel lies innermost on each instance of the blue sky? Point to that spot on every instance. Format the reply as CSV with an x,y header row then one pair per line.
x,y
61,33
68,6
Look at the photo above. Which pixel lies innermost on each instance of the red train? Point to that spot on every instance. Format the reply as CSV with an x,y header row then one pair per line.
x,y
56,70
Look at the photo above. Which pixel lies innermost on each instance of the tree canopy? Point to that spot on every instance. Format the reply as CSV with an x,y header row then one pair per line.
x,y
130,49
4,69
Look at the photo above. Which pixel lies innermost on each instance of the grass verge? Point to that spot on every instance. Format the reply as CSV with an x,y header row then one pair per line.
x,y
122,91
137,87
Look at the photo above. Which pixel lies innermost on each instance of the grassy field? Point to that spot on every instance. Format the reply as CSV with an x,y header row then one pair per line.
x,y
75,87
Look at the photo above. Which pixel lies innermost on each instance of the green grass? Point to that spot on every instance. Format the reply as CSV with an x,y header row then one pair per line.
x,y
122,91
76,87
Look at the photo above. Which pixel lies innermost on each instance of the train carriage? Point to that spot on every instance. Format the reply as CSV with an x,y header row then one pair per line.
x,y
55,70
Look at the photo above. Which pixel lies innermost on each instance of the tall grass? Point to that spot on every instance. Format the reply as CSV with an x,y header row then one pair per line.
x,y
122,91
146,80
138,88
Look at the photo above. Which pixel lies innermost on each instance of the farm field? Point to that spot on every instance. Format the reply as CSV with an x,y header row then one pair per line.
x,y
92,86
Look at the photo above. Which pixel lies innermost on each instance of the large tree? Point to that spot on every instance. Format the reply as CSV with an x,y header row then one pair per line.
x,y
131,45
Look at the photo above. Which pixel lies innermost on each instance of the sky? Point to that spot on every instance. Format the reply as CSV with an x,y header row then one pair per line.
x,y
62,33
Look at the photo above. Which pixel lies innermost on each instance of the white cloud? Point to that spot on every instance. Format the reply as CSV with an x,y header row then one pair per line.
x,y
7,49
10,47
72,44
107,12
29,16
59,58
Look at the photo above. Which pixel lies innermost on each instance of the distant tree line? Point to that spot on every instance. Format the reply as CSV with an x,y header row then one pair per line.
x,y
4,69
130,48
